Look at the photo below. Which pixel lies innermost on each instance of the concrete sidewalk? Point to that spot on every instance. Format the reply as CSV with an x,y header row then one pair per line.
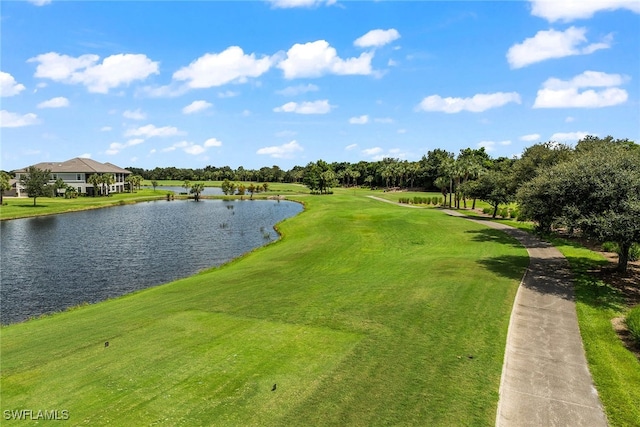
x,y
545,377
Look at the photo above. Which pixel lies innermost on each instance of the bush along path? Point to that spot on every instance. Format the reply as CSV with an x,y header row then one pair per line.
x,y
545,377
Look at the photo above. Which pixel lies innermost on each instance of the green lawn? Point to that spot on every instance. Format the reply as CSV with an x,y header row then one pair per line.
x,y
365,313
22,207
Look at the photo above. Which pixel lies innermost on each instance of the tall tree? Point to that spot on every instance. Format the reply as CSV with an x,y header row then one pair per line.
x,y
196,189
36,182
596,192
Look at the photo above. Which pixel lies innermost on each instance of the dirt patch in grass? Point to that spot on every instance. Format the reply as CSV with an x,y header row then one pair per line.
x,y
623,333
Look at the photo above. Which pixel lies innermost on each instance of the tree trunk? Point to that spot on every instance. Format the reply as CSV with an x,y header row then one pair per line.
x,y
34,201
623,257
473,206
495,211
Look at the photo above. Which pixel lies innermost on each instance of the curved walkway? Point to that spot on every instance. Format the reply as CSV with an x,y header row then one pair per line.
x,y
545,377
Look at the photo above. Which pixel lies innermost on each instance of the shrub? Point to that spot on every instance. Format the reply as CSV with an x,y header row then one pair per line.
x,y
634,252
633,323
610,247
487,211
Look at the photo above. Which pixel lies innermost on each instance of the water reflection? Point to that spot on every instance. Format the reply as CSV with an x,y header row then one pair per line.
x,y
51,263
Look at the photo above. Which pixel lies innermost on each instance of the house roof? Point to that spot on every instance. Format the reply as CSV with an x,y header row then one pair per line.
x,y
78,165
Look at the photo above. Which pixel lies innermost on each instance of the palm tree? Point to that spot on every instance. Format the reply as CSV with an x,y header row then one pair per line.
x,y
107,180
95,181
196,189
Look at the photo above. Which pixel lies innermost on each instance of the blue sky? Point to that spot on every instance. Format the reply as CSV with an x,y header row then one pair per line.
x,y
286,82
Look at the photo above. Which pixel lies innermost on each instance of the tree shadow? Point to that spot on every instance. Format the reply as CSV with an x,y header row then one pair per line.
x,y
509,266
31,206
494,236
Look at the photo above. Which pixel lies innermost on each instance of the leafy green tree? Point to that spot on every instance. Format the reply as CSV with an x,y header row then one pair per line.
x,y
252,189
36,182
70,192
228,187
536,158
241,189
596,192
196,189
492,187
5,185
154,184
186,185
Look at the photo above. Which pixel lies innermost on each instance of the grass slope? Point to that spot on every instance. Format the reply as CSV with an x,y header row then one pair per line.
x,y
365,313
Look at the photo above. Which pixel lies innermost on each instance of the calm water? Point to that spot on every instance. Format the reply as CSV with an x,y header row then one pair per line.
x,y
54,262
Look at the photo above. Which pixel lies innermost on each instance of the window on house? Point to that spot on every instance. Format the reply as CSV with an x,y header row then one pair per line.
x,y
78,177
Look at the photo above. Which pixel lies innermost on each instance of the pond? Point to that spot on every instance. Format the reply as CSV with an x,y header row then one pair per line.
x,y
54,262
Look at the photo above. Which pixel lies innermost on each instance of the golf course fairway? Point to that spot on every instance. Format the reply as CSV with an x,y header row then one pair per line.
x,y
364,313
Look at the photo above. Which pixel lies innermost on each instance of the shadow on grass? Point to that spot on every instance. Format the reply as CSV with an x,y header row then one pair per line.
x,y
494,236
31,206
509,266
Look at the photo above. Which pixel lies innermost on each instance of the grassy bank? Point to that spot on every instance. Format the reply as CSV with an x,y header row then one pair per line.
x,y
22,207
615,370
365,313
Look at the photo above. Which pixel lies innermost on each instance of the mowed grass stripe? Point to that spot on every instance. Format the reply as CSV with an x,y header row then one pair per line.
x,y
364,313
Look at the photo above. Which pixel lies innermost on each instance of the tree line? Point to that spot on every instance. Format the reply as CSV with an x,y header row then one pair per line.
x,y
593,187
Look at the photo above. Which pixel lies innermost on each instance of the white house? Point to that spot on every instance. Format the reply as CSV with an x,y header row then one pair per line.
x,y
76,172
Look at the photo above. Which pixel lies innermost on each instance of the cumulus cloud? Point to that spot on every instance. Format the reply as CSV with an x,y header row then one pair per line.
x,y
372,151
313,107
217,69
113,71
192,148
116,147
553,44
360,120
476,104
289,4
530,137
570,136
212,142
377,38
57,102
284,151
134,115
298,90
196,106
351,147
149,131
8,85
567,11
315,59
556,93
14,120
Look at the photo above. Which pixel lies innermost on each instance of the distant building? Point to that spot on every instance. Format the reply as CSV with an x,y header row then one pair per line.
x,y
76,172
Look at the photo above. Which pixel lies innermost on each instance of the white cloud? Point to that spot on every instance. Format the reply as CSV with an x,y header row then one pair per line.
x,y
298,90
289,4
567,11
196,106
477,103
106,129
13,120
116,147
39,2
569,136
569,119
402,131
134,115
171,90
361,120
57,102
114,71
530,137
556,93
212,142
553,44
372,151
385,120
193,149
489,146
149,131
85,156
351,147
8,85
217,69
284,151
315,107
377,38
315,59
